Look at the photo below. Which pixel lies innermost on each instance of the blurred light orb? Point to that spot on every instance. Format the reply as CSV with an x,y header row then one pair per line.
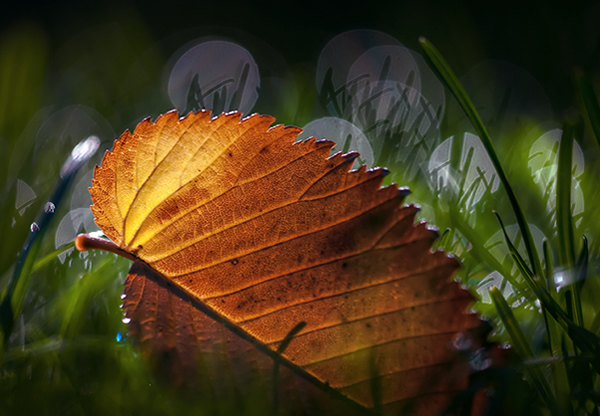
x,y
336,59
216,75
402,125
392,63
346,135
25,196
543,165
474,170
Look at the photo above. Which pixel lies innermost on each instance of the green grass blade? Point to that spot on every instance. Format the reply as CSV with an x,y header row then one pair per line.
x,y
564,218
76,300
584,339
521,346
563,198
550,285
11,303
516,256
485,257
447,76
595,326
590,102
51,256
15,293
555,338
581,275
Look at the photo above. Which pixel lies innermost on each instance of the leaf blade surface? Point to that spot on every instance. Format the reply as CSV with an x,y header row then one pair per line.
x,y
262,233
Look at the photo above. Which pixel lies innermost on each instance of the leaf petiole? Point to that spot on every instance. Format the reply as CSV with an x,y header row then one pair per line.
x,y
84,242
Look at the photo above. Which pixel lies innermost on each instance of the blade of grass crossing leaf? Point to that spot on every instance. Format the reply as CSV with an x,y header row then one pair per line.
x,y
590,102
282,347
446,75
521,346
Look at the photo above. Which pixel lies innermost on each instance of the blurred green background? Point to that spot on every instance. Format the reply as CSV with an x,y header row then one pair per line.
x,y
69,71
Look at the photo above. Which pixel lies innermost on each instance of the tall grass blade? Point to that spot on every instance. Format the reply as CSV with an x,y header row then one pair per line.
x,y
555,342
51,256
581,274
563,198
564,218
516,256
447,76
12,301
585,340
522,347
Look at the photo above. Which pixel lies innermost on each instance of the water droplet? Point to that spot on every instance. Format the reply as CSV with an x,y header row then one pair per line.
x,y
119,337
558,279
126,320
34,227
49,207
80,153
123,296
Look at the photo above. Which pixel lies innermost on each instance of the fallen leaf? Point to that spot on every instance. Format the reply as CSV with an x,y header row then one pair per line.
x,y
235,228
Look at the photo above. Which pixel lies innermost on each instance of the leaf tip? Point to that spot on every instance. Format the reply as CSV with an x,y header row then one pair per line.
x,y
403,191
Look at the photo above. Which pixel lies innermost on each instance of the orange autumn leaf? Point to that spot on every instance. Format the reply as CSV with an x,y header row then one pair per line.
x,y
233,226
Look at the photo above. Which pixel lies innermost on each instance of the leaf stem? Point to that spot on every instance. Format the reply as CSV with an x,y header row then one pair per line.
x,y
84,242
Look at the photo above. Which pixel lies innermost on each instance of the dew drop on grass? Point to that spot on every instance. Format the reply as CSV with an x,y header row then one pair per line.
x,y
34,227
80,153
49,207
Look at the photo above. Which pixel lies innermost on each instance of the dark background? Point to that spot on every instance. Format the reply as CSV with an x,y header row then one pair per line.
x,y
546,38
